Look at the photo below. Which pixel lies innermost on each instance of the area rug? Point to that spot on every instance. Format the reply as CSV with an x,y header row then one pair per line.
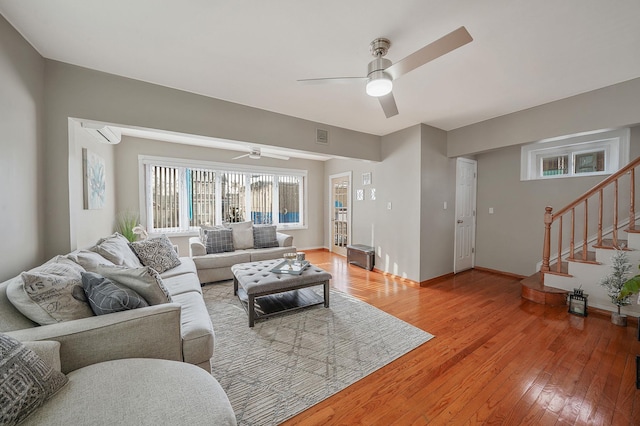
x,y
286,364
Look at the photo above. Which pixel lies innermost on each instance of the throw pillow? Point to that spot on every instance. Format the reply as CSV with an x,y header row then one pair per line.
x,y
157,253
219,240
89,260
26,381
145,281
50,293
106,297
264,236
242,234
116,249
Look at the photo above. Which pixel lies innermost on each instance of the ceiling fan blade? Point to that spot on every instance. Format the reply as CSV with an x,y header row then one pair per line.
x,y
240,156
388,104
442,46
276,156
332,80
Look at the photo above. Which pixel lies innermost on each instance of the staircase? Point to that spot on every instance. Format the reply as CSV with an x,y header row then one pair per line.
x,y
585,234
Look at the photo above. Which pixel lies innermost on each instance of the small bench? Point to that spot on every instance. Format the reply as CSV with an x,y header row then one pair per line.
x,y
265,293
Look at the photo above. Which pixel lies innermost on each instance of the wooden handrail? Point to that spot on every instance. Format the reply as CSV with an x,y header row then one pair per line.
x,y
550,217
607,181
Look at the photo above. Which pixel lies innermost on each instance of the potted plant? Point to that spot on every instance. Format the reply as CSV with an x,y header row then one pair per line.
x,y
125,222
614,284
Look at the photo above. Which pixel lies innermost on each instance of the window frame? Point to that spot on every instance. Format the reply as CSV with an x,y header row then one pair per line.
x,y
145,200
615,144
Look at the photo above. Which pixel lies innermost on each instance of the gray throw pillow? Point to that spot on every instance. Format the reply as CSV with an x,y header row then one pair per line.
x,y
219,240
27,381
242,234
115,248
157,253
106,297
264,236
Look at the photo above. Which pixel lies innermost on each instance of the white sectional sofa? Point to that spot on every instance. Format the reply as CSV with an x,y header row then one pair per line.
x,y
136,366
245,237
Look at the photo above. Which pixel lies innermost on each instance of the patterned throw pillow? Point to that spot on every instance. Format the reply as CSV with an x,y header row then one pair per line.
x,y
26,381
106,297
157,253
145,281
264,236
219,240
50,293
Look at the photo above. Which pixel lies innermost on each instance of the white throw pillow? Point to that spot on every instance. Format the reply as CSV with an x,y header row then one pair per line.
x,y
145,281
242,234
116,249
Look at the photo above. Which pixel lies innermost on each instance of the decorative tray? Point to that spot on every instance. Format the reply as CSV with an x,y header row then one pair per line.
x,y
295,268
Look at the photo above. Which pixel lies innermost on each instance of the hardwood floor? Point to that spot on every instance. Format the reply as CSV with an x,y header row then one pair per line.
x,y
496,358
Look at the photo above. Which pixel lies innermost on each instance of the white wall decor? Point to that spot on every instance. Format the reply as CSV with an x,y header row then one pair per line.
x,y
94,180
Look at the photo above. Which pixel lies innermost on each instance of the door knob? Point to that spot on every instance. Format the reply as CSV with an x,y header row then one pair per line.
x,y
460,221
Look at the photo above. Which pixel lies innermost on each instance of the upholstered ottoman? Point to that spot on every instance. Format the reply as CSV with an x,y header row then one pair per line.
x,y
275,293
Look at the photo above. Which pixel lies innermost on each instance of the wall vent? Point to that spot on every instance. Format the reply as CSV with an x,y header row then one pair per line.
x,y
322,136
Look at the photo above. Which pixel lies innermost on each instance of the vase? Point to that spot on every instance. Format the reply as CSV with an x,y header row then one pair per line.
x,y
619,319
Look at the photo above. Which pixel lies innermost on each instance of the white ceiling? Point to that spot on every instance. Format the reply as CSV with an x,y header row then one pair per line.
x,y
524,53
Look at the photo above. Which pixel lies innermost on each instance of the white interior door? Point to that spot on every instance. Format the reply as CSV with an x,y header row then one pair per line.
x,y
340,220
465,230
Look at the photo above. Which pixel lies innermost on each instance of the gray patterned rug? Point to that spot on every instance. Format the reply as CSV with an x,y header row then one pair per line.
x,y
286,364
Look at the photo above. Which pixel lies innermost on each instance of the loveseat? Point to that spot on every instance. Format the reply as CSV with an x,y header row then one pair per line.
x,y
218,248
177,311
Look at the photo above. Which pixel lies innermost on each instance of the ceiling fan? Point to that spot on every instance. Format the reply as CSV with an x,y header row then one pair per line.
x,y
256,154
381,72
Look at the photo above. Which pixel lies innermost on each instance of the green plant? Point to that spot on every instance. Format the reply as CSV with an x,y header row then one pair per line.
x,y
125,222
615,281
631,287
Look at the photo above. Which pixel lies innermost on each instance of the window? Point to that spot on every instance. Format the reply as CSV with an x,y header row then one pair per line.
x,y
576,155
181,195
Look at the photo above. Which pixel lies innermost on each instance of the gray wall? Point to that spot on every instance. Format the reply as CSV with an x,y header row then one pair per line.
x,y
438,185
128,194
21,120
72,91
510,239
607,108
87,226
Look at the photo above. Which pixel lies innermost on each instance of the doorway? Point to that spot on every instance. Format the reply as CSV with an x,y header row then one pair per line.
x,y
465,227
340,207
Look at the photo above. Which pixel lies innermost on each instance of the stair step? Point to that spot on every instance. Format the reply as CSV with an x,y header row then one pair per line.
x,y
564,269
607,244
578,257
632,230
534,290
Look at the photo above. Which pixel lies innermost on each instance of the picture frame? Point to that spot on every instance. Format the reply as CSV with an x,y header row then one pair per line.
x,y
94,188
366,178
372,194
578,304
360,194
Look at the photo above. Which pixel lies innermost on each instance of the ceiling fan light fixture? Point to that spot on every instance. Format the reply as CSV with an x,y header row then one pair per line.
x,y
254,155
379,84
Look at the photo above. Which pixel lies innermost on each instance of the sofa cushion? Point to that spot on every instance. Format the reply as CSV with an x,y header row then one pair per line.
x,y
195,327
50,293
242,234
269,253
219,240
116,249
106,297
27,381
186,266
88,259
264,236
222,260
141,392
156,252
145,281
183,283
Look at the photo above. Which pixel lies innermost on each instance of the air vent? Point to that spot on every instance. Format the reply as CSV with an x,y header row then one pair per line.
x,y
322,136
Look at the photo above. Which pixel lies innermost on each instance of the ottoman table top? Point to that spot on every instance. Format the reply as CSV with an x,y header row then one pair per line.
x,y
256,277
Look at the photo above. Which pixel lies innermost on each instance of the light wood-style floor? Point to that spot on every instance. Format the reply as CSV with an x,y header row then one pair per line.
x,y
496,358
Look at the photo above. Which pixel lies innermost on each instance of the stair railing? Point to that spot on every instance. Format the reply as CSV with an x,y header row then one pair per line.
x,y
550,218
